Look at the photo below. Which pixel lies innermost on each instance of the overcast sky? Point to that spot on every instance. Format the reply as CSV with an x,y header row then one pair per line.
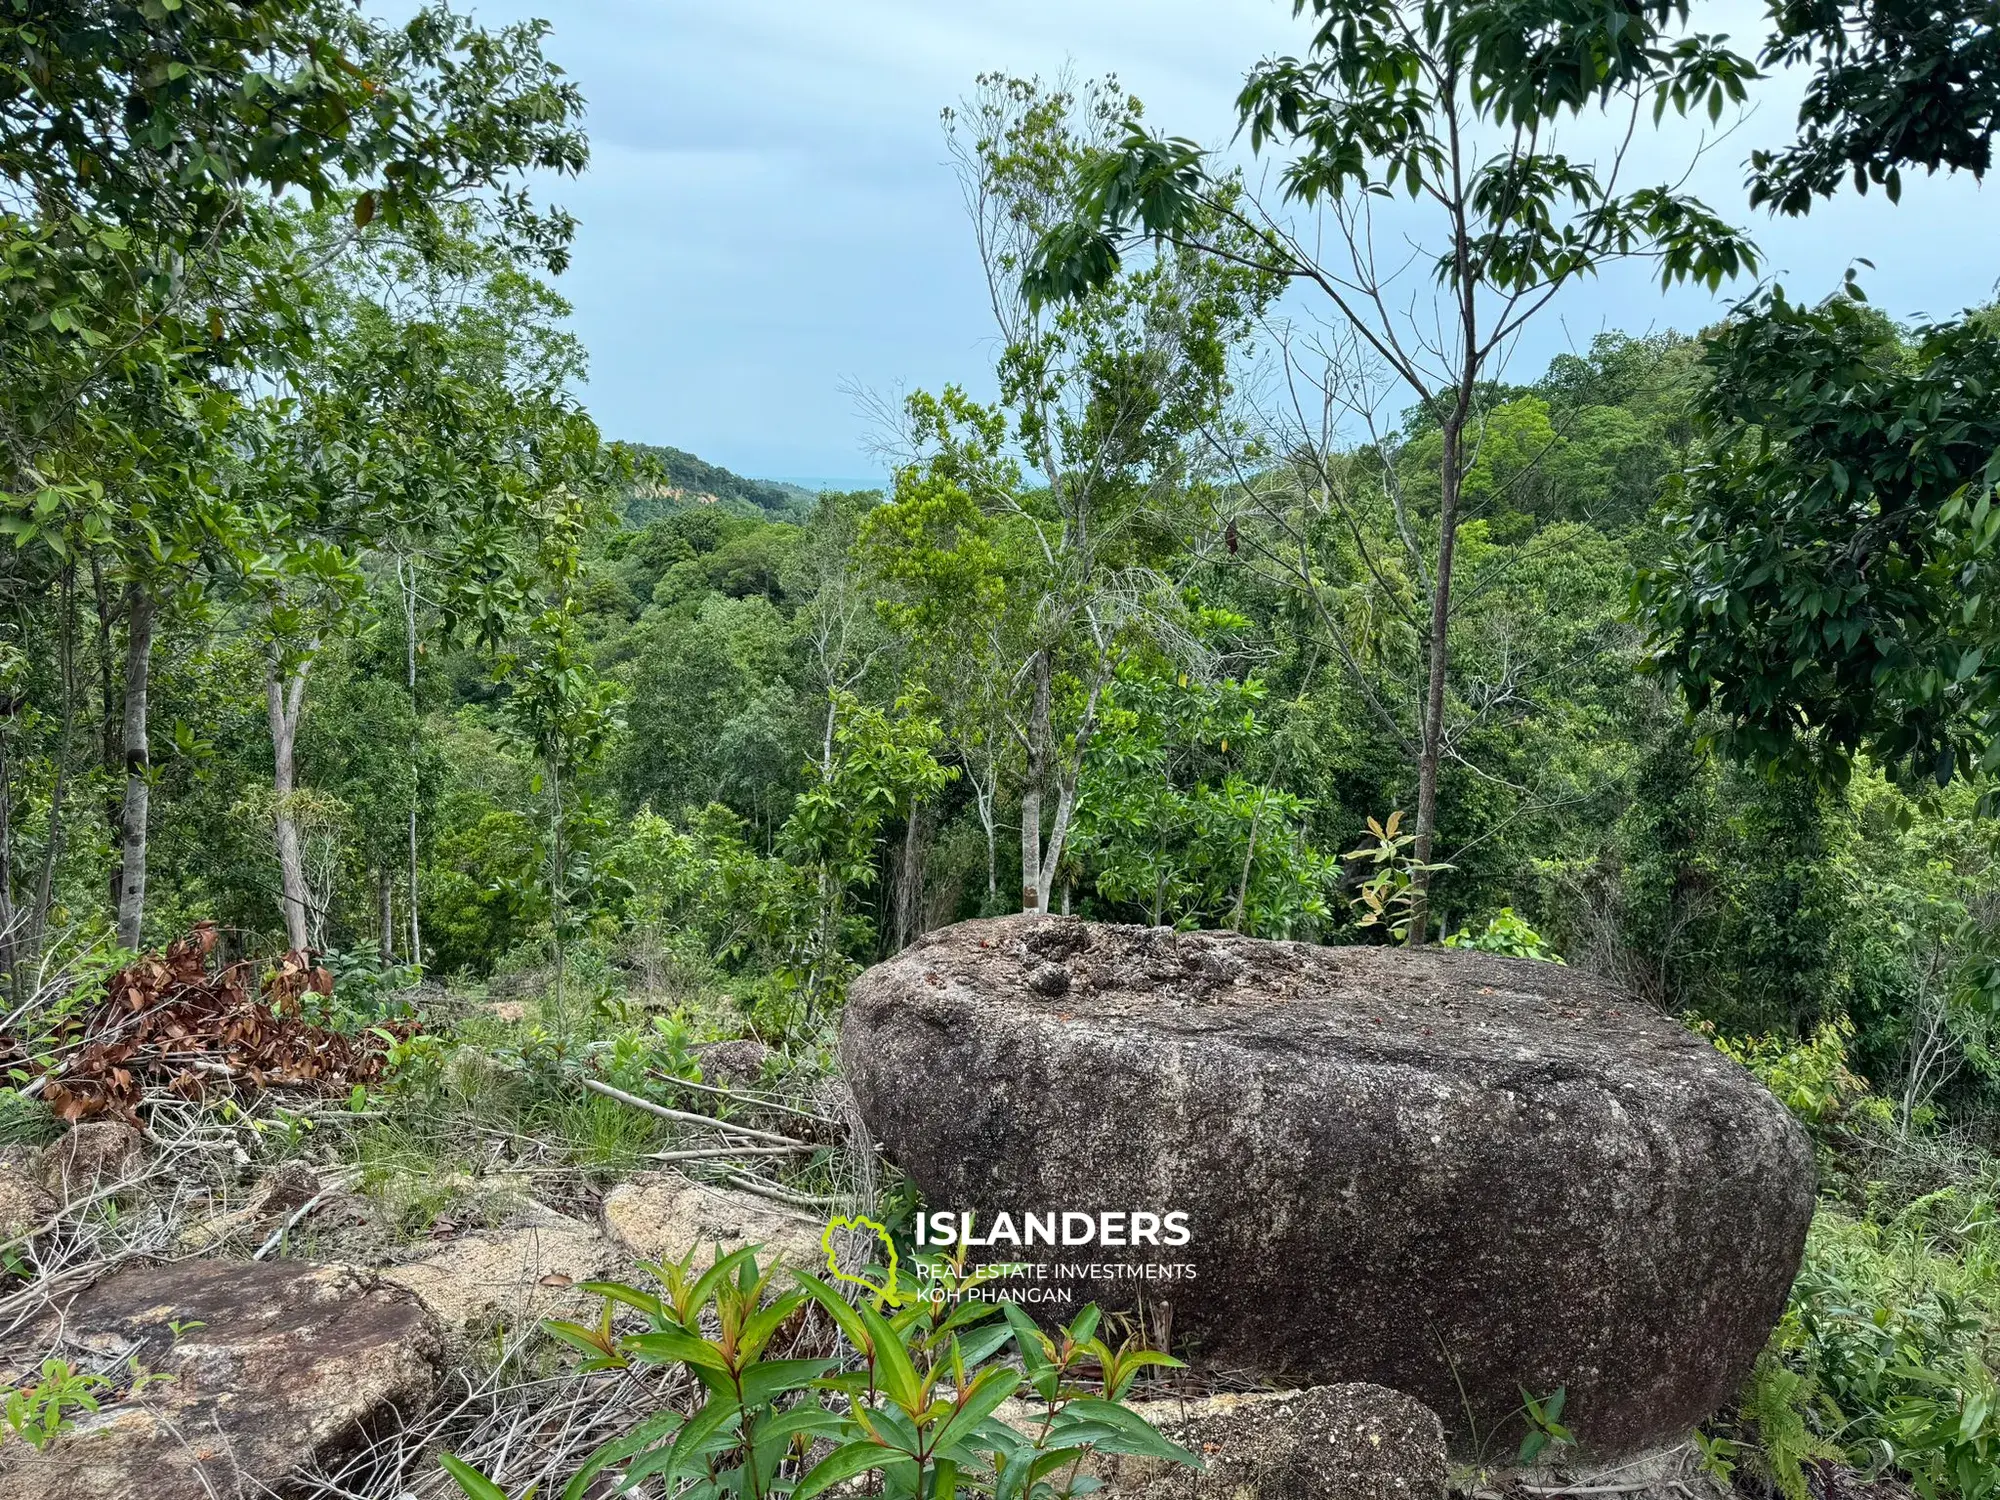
x,y
768,219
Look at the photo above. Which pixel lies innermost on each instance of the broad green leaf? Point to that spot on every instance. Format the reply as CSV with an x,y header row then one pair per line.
x,y
838,1308
475,1484
697,1433
635,1442
768,1379
1136,1435
845,1463
894,1373
676,1346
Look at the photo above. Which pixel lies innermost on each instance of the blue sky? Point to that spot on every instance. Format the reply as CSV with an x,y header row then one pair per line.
x,y
768,221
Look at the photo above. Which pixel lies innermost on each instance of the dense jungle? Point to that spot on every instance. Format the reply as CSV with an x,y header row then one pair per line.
x,y
437,781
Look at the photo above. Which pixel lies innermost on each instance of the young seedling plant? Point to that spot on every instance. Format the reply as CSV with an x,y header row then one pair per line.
x,y
913,1404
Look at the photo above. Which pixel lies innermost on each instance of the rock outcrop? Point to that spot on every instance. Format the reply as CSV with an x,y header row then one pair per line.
x,y
273,1366
25,1203
734,1064
94,1152
486,1280
660,1216
1443,1172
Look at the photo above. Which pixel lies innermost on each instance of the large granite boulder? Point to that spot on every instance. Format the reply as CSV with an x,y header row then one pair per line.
x,y
1455,1175
272,1367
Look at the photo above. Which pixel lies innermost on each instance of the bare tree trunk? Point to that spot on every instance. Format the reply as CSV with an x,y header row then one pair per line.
x,y
416,735
10,944
44,899
558,880
282,701
1242,902
108,720
385,913
1045,884
1034,896
908,897
1430,748
1431,736
140,617
985,791
1040,861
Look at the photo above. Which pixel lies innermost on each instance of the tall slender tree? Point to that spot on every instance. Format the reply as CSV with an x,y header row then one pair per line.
x,y
1096,438
1454,106
142,286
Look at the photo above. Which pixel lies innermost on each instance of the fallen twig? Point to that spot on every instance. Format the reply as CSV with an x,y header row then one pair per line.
x,y
685,1117
339,1184
763,1189
713,1153
750,1099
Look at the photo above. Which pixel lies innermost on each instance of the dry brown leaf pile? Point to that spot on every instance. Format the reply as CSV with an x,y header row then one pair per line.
x,y
178,1021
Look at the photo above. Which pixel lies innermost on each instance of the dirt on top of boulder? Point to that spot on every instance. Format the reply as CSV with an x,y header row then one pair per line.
x,y
1371,1003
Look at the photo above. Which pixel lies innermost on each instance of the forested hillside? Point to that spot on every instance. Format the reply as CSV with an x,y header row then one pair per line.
x,y
403,782
775,703
677,478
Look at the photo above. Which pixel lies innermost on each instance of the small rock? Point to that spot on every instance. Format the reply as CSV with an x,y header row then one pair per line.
x,y
663,1215
1342,1442
287,1186
24,1203
513,1012
92,1152
732,1064
1050,980
507,1277
276,1365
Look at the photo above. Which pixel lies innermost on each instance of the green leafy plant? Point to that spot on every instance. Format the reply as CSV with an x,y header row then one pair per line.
x,y
1393,895
1809,1075
475,1485
1545,1428
1173,822
1777,1407
913,1401
1506,934
1946,1431
1718,1456
1883,1358
39,1413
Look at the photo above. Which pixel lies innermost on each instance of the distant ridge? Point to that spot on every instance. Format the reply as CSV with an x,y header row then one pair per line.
x,y
685,480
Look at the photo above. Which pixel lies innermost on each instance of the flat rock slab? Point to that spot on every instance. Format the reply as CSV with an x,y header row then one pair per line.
x,y
490,1279
276,1365
662,1215
1444,1172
